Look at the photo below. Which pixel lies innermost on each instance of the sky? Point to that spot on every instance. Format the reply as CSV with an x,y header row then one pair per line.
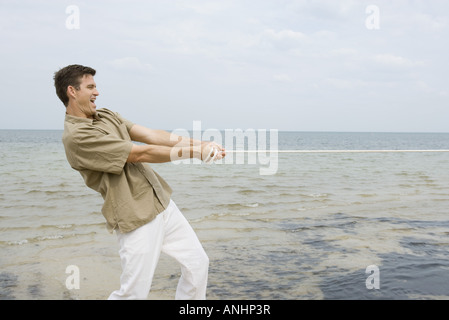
x,y
299,65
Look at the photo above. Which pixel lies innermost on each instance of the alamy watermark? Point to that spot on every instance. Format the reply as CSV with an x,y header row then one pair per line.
x,y
372,22
373,280
73,280
250,146
72,22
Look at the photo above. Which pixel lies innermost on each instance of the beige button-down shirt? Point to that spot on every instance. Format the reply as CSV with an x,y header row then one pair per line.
x,y
98,148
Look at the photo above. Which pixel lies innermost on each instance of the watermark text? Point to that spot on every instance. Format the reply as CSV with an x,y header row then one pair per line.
x,y
72,22
372,22
250,146
73,280
373,280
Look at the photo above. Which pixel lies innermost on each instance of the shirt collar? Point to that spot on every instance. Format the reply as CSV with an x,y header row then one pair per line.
x,y
74,119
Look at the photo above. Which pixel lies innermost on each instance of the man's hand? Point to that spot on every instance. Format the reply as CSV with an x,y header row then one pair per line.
x,y
211,151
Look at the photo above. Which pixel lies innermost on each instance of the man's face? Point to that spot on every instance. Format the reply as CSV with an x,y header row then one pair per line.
x,y
86,95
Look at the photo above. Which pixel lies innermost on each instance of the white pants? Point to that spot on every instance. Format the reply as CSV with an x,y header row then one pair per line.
x,y
140,249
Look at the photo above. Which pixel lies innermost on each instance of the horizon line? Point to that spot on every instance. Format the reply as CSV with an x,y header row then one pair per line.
x,y
303,131
338,151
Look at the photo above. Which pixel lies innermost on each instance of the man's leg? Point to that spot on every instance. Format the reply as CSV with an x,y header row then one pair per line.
x,y
140,250
181,243
139,253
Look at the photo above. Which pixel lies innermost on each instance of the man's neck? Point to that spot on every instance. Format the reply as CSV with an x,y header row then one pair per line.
x,y
76,112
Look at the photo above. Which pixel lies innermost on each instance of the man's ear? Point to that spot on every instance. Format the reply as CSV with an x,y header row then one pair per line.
x,y
71,92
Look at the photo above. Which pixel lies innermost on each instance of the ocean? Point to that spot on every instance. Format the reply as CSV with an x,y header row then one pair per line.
x,y
321,226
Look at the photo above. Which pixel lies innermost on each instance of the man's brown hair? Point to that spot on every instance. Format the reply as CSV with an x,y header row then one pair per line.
x,y
70,76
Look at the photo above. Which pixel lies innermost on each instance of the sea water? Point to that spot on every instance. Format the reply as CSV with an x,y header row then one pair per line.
x,y
309,231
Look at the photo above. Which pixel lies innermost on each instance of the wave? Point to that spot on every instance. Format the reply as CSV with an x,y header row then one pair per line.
x,y
249,191
45,238
241,205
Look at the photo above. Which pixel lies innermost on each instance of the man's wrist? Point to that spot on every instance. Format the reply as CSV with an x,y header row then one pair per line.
x,y
196,151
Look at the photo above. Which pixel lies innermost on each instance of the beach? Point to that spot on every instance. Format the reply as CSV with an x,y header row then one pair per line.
x,y
308,231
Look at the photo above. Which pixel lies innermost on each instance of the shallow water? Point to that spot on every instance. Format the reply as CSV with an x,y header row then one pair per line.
x,y
307,232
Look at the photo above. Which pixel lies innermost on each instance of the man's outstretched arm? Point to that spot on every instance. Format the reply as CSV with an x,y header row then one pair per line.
x,y
162,146
159,137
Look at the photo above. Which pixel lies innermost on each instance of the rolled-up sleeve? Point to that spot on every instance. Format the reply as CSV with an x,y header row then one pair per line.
x,y
128,124
97,150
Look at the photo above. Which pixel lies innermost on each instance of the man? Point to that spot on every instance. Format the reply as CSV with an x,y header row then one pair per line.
x,y
137,203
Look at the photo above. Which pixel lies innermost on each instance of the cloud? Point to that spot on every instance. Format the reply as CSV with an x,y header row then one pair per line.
x,y
346,83
131,64
283,39
203,7
282,78
394,61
